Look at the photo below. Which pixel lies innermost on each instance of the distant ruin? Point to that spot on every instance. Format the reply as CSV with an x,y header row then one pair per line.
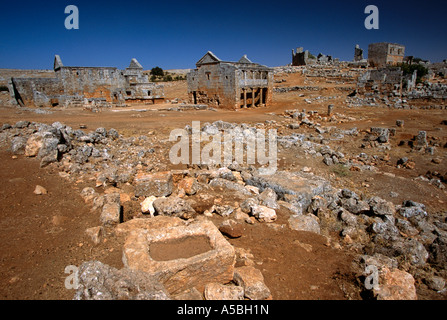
x,y
358,53
383,53
230,85
81,86
385,81
303,58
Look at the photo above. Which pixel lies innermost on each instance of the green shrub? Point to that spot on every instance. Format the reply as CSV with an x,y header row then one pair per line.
x,y
157,71
408,69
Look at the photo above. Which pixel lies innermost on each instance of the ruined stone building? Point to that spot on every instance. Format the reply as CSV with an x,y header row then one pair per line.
x,y
383,53
230,85
80,86
358,53
384,81
303,58
300,57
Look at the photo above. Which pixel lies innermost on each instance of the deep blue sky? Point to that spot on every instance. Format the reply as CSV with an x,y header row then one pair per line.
x,y
176,34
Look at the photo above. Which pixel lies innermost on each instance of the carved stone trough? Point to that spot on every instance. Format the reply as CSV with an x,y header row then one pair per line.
x,y
181,256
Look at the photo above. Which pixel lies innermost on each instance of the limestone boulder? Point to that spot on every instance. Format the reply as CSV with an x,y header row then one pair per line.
x,y
395,284
159,184
307,222
98,281
218,291
175,269
252,280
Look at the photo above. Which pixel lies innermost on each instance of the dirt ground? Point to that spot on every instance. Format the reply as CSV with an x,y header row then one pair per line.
x,y
41,235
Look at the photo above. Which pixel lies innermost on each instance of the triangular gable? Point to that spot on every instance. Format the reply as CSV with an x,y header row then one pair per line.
x,y
209,57
57,62
135,64
244,59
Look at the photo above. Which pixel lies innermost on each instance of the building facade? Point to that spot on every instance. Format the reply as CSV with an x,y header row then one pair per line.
x,y
230,85
383,54
80,86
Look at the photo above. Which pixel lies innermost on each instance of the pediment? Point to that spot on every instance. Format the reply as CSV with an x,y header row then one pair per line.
x,y
209,57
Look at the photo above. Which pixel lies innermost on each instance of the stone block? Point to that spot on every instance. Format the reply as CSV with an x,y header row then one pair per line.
x,y
217,291
252,280
395,284
111,211
98,281
307,222
158,184
166,253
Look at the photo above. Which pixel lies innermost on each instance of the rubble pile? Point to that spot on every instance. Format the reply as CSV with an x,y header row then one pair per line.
x,y
403,242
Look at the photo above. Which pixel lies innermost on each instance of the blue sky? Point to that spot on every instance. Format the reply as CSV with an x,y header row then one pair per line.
x,y
176,34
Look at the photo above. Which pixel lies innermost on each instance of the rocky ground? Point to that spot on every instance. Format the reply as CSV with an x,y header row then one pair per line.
x,y
355,210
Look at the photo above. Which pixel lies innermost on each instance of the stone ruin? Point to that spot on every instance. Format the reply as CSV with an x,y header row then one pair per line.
x,y
303,58
230,85
86,86
383,53
385,81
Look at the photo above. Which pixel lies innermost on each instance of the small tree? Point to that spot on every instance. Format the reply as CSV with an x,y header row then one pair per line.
x,y
157,71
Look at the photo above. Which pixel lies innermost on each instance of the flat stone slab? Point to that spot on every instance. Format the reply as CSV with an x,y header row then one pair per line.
x,y
216,264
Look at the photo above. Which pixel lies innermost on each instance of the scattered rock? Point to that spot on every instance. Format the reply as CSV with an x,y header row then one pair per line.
x,y
95,233
189,185
268,198
435,283
231,228
33,145
98,281
307,222
217,291
263,213
159,184
18,145
88,194
223,210
147,205
395,284
111,211
252,281
173,206
40,190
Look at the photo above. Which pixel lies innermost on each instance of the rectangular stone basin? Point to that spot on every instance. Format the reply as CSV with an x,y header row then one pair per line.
x,y
182,256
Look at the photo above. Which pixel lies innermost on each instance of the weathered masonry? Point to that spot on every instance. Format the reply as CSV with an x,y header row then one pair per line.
x,y
81,86
230,85
383,53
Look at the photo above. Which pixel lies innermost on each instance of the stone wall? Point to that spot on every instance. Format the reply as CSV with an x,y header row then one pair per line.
x,y
213,84
81,86
382,54
229,85
384,81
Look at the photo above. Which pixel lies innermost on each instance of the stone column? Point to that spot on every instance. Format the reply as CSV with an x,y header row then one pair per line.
x,y
252,97
245,98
